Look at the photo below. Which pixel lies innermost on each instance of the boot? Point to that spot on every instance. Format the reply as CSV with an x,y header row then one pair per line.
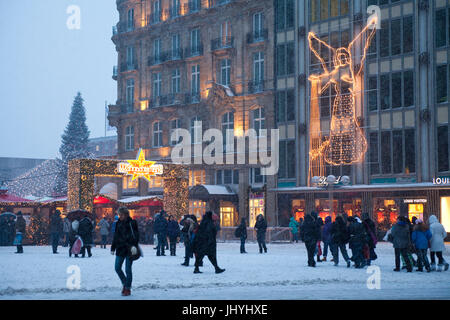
x,y
348,263
197,270
440,267
318,259
445,266
219,270
433,267
126,292
265,250
397,269
324,259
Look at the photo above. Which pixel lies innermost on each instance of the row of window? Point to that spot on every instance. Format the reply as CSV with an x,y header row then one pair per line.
x,y
227,123
326,9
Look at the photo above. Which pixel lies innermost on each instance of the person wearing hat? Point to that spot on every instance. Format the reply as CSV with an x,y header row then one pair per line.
x,y
56,227
437,245
20,231
420,238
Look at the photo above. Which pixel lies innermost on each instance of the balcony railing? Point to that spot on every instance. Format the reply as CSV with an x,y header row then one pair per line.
x,y
175,54
128,107
216,3
192,97
128,66
153,18
194,6
174,12
157,59
193,51
222,43
256,86
168,100
257,36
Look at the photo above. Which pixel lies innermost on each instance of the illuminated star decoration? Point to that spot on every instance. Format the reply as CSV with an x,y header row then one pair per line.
x,y
141,167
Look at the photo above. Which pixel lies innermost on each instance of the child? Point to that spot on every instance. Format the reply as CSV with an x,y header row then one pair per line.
x,y
73,236
420,237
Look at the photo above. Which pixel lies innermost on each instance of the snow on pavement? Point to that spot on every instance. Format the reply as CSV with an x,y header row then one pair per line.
x,y
282,273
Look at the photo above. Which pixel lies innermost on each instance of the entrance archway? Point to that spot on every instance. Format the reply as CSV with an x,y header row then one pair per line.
x,y
82,172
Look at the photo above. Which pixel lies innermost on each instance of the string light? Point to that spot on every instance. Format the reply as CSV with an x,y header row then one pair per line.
x,y
347,143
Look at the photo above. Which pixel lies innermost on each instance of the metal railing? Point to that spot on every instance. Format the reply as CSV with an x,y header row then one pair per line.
x,y
128,66
193,51
257,36
222,43
115,72
256,86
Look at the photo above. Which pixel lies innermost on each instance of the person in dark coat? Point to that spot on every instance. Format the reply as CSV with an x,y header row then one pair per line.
x,y
401,240
371,232
11,230
149,231
326,237
261,227
339,237
56,227
357,241
242,233
160,228
73,234
125,243
205,243
20,229
3,231
85,232
173,231
189,223
318,250
310,234
421,237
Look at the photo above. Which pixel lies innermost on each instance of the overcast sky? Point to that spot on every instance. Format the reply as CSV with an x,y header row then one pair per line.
x,y
44,64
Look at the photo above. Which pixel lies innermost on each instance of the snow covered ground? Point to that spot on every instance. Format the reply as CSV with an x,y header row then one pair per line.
x,y
280,274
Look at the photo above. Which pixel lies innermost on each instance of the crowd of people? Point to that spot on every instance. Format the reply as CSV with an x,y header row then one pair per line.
x,y
409,238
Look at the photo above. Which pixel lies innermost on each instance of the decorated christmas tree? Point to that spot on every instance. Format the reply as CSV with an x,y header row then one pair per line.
x,y
74,143
37,231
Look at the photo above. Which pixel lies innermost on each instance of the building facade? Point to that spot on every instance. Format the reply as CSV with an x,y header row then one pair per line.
x,y
401,106
196,65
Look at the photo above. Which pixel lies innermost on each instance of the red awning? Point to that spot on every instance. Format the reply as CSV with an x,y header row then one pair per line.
x,y
12,198
102,200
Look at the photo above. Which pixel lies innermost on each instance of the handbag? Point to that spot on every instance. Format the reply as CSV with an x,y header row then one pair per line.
x,y
139,252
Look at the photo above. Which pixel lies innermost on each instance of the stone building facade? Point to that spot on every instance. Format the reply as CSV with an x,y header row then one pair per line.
x,y
185,61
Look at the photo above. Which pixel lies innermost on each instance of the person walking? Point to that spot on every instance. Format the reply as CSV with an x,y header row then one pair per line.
x,y
205,243
326,237
190,225
261,227
173,231
293,224
420,238
85,232
241,232
310,233
104,231
66,230
401,240
357,241
56,227
73,234
318,250
20,231
124,245
438,234
372,241
339,237
160,228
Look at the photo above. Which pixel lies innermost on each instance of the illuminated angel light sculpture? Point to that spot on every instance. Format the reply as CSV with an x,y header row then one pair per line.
x,y
346,143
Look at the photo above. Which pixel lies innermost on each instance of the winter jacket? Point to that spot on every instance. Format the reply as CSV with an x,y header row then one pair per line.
x,y
104,227
371,231
400,235
357,233
66,225
160,225
205,238
261,227
56,224
123,237
438,234
21,225
85,231
326,230
242,231
420,238
310,231
173,229
293,225
339,232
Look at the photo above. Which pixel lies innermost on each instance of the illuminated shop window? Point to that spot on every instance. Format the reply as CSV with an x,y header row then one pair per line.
x,y
197,208
196,177
129,184
445,213
256,206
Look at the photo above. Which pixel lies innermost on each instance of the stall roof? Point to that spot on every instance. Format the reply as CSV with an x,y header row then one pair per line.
x,y
9,197
138,199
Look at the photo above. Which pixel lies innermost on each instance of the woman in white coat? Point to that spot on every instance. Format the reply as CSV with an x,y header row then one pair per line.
x,y
437,243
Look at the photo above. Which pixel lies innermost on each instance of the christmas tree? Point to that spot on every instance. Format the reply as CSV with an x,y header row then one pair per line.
x,y
74,143
37,230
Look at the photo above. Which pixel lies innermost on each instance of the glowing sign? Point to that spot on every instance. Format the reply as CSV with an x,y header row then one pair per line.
x,y
140,167
346,143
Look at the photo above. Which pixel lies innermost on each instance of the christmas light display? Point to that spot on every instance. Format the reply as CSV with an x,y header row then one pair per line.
x,y
140,167
346,143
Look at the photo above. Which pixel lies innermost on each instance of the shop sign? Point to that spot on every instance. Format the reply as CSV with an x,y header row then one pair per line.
x,y
441,180
341,180
140,167
415,201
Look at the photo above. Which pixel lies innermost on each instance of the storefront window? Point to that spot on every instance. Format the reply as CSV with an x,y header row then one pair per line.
x,y
386,213
324,210
155,182
227,216
196,177
415,210
256,205
298,209
129,183
445,213
197,208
